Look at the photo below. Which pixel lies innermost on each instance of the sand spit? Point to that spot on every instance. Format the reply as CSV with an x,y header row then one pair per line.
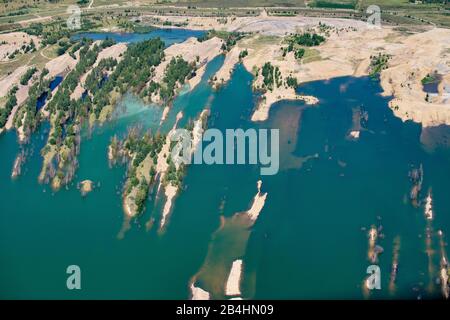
x,y
223,75
17,167
282,93
372,254
395,262
195,80
170,191
232,287
444,267
258,203
429,207
222,271
354,134
198,293
21,134
197,131
128,208
162,165
164,114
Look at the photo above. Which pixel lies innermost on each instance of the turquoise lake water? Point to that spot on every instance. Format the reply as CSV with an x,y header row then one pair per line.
x,y
170,36
308,241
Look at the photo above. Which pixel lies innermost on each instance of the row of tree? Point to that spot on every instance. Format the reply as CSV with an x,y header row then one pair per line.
x,y
11,102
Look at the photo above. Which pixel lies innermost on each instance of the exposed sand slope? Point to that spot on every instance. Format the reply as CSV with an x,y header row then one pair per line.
x,y
170,191
419,55
268,25
86,186
115,51
21,96
347,52
61,64
9,81
232,287
190,50
199,293
221,272
258,203
56,67
14,41
223,75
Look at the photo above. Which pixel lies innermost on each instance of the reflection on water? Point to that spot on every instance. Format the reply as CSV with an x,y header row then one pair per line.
x,y
434,138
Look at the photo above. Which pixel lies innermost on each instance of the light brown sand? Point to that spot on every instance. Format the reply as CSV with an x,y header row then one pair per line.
x,y
264,24
347,53
258,203
190,50
61,65
170,191
9,81
85,187
224,74
198,293
14,41
232,286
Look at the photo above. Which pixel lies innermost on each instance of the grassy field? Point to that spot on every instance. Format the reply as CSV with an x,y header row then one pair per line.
x,y
405,12
241,3
14,7
38,58
395,12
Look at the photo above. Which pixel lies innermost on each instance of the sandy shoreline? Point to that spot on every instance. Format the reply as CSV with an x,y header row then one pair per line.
x,y
258,203
232,287
198,293
9,81
222,274
270,97
347,52
429,207
61,65
268,25
223,75
170,191
192,51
